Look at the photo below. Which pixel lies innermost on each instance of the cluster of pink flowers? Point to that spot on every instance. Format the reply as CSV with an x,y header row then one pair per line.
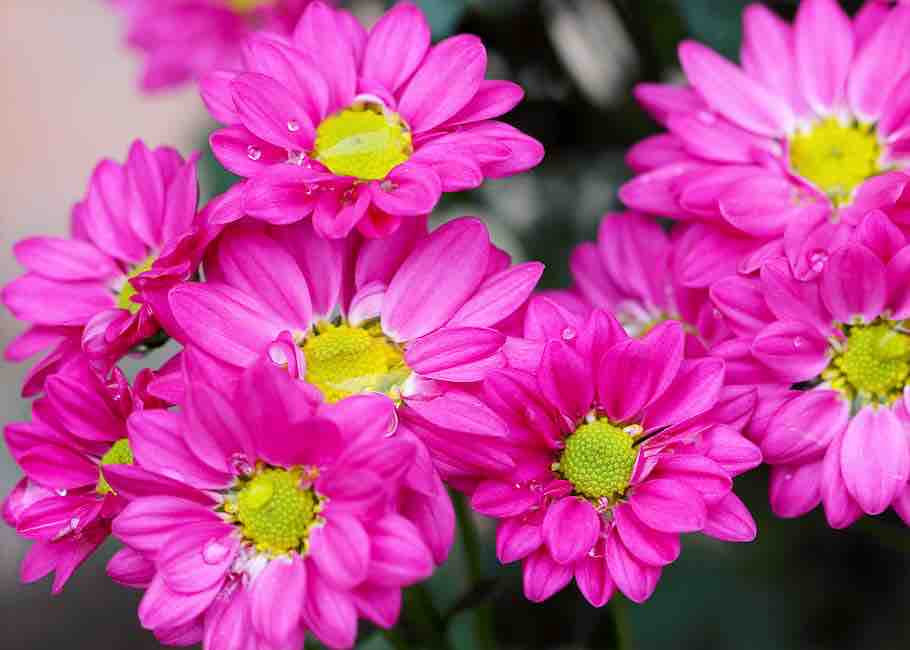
x,y
338,364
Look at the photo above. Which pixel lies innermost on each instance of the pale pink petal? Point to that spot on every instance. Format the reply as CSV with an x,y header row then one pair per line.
x,y
870,83
875,458
824,45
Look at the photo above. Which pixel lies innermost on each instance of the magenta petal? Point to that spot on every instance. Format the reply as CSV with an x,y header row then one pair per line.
x,y
695,389
197,557
243,153
731,450
570,529
543,576
696,471
804,427
58,467
320,260
454,257
227,623
50,302
499,296
516,538
794,489
841,509
729,520
493,98
648,545
593,579
132,482
130,569
794,349
898,288
317,34
380,605
396,45
565,380
398,555
870,83
56,258
875,458
881,235
854,284
341,550
269,111
82,409
145,524
669,506
500,499
283,193
664,100
441,354
742,303
162,607
410,190
215,90
633,578
329,613
284,578
824,51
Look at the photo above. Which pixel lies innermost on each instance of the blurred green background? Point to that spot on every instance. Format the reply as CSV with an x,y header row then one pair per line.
x,y
799,586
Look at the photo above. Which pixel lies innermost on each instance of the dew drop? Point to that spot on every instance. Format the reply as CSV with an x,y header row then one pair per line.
x,y
214,551
241,465
716,313
817,260
61,492
706,117
253,153
798,342
568,334
293,126
296,158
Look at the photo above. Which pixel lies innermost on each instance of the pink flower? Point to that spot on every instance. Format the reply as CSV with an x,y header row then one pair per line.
x,y
183,40
785,154
619,445
833,358
638,272
362,129
263,514
64,503
104,288
404,316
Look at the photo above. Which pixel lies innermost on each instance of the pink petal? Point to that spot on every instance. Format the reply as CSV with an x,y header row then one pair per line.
x,y
227,622
410,190
378,604
841,509
56,258
633,578
500,499
870,83
897,272
793,349
742,302
147,523
317,35
791,299
284,578
543,576
516,538
50,302
694,390
881,235
570,529
492,99
729,520
81,407
794,489
283,193
565,380
854,284
107,214
215,90
341,550
398,555
243,153
669,506
650,546
455,353
731,450
130,569
132,482
269,111
875,458
499,296
320,260
58,467
664,100
824,51
804,427
592,575
395,47
768,55
698,472
163,608
197,557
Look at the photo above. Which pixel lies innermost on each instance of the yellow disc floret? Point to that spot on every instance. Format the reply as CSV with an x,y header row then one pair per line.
x,y
598,460
244,6
119,454
873,365
365,141
127,291
836,158
343,360
274,511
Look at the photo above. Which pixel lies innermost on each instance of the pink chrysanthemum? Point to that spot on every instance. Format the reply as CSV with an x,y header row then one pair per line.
x,y
403,316
281,515
619,445
637,272
104,289
841,434
78,431
780,155
362,129
183,40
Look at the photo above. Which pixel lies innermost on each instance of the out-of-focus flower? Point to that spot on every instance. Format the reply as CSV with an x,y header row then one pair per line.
x,y
64,503
362,129
785,154
283,515
637,271
183,40
619,445
104,288
832,359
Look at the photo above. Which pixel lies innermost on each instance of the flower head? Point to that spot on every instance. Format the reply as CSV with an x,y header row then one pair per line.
x,y
183,40
833,358
132,238
264,514
785,153
362,129
64,503
619,445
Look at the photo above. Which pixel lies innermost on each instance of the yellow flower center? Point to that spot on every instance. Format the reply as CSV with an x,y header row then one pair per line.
x,y
873,365
119,454
245,6
598,460
127,291
836,158
274,511
343,360
365,141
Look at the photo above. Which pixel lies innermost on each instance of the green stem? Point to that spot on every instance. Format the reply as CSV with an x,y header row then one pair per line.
x,y
620,611
483,614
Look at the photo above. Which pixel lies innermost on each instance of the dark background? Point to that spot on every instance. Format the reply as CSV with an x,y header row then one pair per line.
x,y
799,586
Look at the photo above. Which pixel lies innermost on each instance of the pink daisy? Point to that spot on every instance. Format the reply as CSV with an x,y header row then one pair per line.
x,y
619,445
64,503
637,272
833,358
404,316
362,129
283,515
104,288
779,155
183,40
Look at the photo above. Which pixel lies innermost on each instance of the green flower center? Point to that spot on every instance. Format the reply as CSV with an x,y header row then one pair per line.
x,y
245,6
343,360
873,365
119,454
365,141
598,460
836,158
274,511
127,291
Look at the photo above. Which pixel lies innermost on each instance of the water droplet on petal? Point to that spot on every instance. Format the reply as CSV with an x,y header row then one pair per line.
x,y
716,313
706,117
296,158
568,334
293,126
253,153
241,465
214,551
61,492
817,260
798,342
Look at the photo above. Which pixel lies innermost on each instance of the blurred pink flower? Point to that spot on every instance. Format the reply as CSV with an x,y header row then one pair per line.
x,y
183,40
64,503
104,288
362,129
841,436
785,153
283,515
619,445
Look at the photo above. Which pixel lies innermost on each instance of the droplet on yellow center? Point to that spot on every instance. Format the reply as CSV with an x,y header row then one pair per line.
x,y
127,291
875,364
364,141
343,361
274,511
598,460
836,158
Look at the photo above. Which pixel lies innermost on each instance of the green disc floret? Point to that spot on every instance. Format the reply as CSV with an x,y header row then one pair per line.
x,y
119,454
598,460
274,511
874,363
